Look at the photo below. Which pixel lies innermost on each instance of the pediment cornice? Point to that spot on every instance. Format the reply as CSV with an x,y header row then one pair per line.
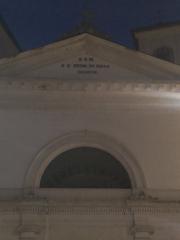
x,y
126,63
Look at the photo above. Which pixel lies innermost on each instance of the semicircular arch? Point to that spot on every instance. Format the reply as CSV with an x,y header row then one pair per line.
x,y
83,139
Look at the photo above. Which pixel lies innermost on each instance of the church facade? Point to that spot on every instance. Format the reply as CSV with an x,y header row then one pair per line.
x,y
90,134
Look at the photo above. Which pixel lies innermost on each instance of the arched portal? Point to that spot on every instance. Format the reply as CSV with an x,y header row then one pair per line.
x,y
85,139
85,167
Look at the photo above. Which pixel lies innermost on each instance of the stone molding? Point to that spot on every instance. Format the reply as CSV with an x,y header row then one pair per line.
x,y
51,85
80,209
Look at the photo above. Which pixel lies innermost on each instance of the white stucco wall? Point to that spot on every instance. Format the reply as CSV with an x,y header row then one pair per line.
x,y
150,133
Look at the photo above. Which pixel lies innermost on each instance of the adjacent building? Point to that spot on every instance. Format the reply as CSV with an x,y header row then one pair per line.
x,y
8,44
161,41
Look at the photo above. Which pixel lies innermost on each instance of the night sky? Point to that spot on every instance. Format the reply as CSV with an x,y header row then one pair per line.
x,y
35,23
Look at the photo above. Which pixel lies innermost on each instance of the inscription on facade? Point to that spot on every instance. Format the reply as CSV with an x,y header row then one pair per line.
x,y
85,65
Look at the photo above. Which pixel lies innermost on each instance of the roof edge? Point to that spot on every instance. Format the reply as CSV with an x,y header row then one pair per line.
x,y
9,33
156,26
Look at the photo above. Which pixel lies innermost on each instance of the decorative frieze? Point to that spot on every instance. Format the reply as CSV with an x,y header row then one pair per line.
x,y
79,85
87,209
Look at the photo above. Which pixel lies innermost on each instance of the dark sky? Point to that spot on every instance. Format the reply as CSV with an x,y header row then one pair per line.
x,y
35,23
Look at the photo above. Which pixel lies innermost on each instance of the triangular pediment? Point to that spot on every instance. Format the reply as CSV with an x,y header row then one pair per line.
x,y
86,57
